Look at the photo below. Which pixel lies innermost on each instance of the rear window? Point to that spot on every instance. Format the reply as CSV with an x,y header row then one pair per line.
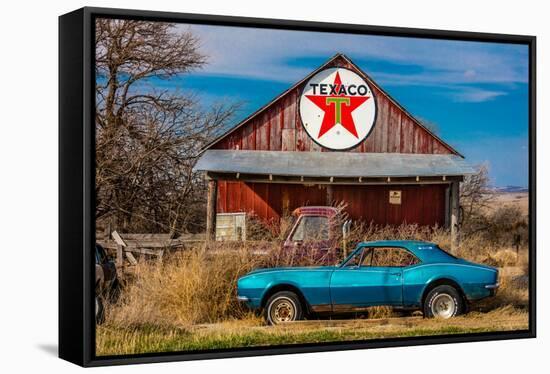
x,y
432,252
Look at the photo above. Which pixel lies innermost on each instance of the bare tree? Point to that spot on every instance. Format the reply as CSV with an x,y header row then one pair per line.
x,y
430,125
147,139
476,197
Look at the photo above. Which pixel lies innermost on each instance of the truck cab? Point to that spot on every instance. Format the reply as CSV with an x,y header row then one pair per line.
x,y
316,231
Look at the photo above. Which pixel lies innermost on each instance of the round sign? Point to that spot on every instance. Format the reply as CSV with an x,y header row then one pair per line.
x,y
337,108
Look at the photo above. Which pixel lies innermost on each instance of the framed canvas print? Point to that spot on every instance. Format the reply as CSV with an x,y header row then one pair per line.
x,y
234,186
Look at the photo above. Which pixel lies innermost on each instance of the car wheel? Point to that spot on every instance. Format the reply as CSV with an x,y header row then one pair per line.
x,y
284,306
443,302
99,310
114,291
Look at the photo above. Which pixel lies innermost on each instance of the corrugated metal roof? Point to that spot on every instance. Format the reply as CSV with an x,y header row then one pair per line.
x,y
332,164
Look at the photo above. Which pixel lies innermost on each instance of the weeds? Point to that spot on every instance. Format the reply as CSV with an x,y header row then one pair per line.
x,y
171,305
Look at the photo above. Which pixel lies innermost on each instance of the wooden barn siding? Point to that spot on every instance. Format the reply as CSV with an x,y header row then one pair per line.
x,y
279,128
422,204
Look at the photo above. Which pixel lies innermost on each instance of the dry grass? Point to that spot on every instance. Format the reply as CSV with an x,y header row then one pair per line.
x,y
188,302
192,287
112,340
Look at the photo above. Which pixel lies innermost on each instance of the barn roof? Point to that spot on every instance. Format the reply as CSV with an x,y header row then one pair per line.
x,y
332,164
297,84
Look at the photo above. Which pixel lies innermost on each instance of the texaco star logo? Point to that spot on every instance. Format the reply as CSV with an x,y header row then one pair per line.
x,y
337,108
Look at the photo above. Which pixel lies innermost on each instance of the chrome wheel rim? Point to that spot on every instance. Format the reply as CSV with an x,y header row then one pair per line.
x,y
443,306
283,310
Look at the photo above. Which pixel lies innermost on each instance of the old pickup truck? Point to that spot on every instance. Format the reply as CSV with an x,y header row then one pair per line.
x,y
317,231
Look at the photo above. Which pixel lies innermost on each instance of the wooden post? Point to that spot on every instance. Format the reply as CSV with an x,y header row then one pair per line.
x,y
120,245
211,209
455,207
448,206
119,256
329,195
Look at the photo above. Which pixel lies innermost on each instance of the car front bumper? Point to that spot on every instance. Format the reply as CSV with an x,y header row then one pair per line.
x,y
492,288
249,302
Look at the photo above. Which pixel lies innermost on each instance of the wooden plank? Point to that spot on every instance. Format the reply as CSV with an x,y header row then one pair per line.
x,y
275,132
145,236
144,251
252,140
301,136
455,206
394,139
288,139
407,140
243,188
119,255
221,205
211,210
233,197
131,258
289,109
268,124
384,118
118,239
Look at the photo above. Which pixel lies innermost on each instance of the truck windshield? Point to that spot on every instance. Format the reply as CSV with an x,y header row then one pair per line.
x,y
311,228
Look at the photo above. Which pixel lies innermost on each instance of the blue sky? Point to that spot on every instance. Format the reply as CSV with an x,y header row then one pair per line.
x,y
476,93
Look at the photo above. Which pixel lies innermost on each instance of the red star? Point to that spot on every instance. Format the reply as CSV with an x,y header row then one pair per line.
x,y
337,106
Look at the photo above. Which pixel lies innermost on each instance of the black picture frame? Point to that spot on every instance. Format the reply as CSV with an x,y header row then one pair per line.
x,y
76,184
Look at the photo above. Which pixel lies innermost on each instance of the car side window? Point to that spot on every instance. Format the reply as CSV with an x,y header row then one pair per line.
x,y
392,257
311,228
367,257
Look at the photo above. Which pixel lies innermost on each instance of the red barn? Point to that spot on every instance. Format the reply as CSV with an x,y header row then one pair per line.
x,y
334,136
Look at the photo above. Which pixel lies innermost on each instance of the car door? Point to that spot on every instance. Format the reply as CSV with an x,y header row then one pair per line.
x,y
368,283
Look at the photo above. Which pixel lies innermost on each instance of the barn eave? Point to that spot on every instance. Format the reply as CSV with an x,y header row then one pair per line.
x,y
333,167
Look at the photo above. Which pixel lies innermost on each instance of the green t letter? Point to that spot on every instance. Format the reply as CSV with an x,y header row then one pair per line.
x,y
338,101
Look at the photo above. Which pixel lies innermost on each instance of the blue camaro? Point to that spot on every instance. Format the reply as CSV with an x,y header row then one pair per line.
x,y
402,274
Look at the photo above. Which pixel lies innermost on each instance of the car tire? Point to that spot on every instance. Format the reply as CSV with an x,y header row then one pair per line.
x,y
99,310
443,302
114,291
284,306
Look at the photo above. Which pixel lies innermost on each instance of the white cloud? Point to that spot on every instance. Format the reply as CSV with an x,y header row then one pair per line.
x,y
475,95
268,54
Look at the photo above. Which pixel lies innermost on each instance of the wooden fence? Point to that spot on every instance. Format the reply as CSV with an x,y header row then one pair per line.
x,y
129,247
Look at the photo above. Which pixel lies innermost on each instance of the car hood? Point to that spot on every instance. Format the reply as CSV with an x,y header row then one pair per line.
x,y
300,268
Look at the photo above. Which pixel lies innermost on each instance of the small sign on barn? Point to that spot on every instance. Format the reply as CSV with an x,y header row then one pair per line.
x,y
334,136
395,197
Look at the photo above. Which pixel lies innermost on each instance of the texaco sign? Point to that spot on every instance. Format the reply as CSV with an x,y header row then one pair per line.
x,y
337,108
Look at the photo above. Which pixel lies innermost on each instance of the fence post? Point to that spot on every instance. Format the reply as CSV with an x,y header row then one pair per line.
x,y
455,211
211,210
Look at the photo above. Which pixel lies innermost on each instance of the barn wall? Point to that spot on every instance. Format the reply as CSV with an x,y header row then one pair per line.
x,y
422,204
279,128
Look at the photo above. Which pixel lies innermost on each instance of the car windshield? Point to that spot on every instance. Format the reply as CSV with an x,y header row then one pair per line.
x,y
311,228
289,226
352,260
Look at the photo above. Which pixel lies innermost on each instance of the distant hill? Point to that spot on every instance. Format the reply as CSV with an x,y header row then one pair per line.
x,y
510,189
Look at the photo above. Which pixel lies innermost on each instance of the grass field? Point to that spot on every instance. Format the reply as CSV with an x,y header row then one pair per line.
x,y
163,321
188,302
519,199
251,332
